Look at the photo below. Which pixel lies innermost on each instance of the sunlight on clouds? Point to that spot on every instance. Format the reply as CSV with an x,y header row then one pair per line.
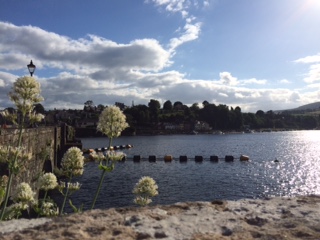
x,y
314,74
254,81
228,79
285,81
223,95
309,59
314,70
239,95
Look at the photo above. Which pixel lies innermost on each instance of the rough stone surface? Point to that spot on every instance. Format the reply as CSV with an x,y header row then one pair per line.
x,y
276,218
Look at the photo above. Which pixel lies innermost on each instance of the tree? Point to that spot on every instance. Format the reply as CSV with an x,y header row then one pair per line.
x,y
38,108
167,105
154,107
177,105
205,103
88,105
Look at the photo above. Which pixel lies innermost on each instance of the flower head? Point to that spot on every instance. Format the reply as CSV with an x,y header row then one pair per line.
x,y
73,162
48,181
25,93
112,122
144,190
49,209
146,186
23,193
115,156
142,201
8,153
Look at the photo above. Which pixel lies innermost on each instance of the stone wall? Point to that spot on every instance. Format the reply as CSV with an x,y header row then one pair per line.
x,y
45,145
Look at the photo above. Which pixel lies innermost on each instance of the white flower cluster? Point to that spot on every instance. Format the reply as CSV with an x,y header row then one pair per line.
x,y
47,181
8,153
71,186
23,193
97,156
73,162
26,92
142,201
112,122
49,209
145,189
115,156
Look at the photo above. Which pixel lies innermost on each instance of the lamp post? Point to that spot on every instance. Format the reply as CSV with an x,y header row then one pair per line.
x,y
31,68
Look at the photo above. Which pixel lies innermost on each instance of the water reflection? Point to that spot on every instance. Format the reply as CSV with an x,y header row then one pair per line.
x,y
296,173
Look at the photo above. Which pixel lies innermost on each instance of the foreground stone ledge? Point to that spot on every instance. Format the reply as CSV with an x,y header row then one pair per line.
x,y
276,218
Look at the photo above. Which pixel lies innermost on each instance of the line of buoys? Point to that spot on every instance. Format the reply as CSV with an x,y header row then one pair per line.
x,y
103,149
169,158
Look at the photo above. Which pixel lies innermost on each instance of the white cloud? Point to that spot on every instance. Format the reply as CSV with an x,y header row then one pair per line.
x,y
314,70
309,59
254,81
285,81
314,74
92,53
106,72
191,32
228,79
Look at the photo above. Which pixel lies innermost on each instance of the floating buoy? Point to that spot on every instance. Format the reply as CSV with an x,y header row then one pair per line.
x,y
152,158
136,158
244,158
167,158
183,158
229,158
214,158
198,158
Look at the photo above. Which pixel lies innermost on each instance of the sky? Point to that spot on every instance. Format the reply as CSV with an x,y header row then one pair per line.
x,y
255,54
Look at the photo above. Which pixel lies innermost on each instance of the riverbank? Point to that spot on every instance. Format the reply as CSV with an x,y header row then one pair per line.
x,y
276,218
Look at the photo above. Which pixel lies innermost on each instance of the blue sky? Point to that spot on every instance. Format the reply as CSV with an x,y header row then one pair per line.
x,y
255,54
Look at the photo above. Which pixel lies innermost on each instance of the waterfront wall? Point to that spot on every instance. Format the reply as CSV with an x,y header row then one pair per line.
x,y
47,145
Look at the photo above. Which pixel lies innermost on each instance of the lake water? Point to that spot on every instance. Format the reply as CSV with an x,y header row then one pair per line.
x,y
296,173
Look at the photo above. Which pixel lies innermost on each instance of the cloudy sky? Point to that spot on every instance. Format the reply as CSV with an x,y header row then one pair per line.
x,y
255,54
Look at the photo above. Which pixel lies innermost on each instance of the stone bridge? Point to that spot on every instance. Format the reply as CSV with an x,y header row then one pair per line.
x,y
47,145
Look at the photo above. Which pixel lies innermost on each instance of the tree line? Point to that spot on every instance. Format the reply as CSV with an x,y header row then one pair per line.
x,y
219,117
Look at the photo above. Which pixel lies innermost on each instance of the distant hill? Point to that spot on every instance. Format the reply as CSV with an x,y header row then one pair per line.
x,y
311,107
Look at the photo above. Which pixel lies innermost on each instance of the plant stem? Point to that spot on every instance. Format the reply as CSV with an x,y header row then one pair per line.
x,y
8,190
98,189
65,196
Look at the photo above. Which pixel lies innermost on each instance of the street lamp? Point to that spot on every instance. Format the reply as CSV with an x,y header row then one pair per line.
x,y
31,68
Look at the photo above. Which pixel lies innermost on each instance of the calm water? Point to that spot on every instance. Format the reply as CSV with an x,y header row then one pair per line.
x,y
297,173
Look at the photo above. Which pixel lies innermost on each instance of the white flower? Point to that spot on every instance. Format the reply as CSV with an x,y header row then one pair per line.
x,y
71,186
24,193
145,189
97,156
115,156
142,201
49,209
73,162
74,186
146,186
47,181
26,93
112,122
8,153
